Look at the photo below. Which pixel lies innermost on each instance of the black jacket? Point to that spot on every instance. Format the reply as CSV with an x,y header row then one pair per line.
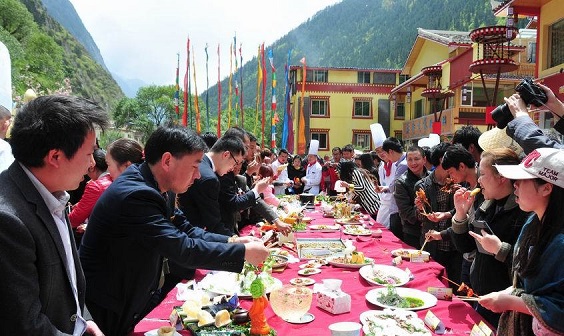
x,y
491,273
404,194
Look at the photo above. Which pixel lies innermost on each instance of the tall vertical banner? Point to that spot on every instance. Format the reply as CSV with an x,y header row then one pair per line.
x,y
263,95
177,87
190,116
236,79
5,78
218,95
186,80
259,81
287,119
301,121
273,115
229,86
196,103
241,79
207,91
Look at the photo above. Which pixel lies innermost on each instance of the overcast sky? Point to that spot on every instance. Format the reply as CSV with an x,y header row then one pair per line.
x,y
140,39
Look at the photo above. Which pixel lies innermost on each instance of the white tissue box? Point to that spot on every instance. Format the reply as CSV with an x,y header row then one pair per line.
x,y
334,302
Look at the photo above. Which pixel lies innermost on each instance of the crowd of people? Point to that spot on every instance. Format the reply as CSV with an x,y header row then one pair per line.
x,y
151,215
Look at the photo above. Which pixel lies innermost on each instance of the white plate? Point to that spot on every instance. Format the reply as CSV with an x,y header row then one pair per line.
x,y
370,272
225,283
347,222
328,228
335,261
302,281
405,253
310,265
356,230
308,317
428,299
379,322
154,333
309,271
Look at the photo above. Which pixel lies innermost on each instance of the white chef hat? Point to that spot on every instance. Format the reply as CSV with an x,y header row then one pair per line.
x,y
313,147
378,135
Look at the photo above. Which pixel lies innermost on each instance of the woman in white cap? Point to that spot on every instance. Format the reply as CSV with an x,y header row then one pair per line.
x,y
538,287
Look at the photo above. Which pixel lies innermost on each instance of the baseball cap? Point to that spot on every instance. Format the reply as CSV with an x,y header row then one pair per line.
x,y
544,163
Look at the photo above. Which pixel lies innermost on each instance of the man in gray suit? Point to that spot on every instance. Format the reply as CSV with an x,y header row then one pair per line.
x,y
42,285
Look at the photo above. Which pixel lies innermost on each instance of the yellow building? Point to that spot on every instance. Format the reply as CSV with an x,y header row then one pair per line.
x,y
443,91
339,104
546,18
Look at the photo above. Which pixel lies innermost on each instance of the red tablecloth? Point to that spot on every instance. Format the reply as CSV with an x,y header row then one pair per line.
x,y
458,316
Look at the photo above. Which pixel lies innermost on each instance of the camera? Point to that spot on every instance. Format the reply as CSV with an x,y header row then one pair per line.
x,y
530,92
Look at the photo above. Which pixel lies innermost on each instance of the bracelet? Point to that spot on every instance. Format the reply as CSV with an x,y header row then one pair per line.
x,y
460,222
232,239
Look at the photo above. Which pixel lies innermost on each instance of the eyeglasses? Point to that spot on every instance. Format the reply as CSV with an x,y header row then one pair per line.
x,y
233,157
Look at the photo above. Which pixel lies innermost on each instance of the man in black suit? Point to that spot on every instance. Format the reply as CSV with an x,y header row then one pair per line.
x,y
42,285
201,203
233,199
134,230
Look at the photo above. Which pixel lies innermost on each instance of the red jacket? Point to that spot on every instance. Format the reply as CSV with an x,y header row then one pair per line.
x,y
330,172
94,188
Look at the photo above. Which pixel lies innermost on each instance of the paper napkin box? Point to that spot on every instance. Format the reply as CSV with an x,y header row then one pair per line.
x,y
335,302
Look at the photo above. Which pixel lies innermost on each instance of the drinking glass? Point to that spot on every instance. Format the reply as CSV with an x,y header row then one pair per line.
x,y
291,302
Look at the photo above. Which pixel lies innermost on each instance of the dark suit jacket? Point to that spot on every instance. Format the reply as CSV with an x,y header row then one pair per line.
x,y
35,290
200,203
129,233
232,202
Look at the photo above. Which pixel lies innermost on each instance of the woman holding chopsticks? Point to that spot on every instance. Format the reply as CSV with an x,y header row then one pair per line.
x,y
499,216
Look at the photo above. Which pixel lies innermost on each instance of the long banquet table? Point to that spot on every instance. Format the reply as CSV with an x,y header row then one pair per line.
x,y
457,315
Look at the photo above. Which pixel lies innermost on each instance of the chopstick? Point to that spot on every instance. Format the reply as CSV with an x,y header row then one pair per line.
x,y
425,242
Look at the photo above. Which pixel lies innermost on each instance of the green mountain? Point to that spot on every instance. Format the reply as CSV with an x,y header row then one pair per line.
x,y
47,58
360,34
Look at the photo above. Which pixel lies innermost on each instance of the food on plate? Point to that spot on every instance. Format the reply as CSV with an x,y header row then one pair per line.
x,y
307,219
222,318
357,258
166,331
289,220
311,264
276,261
309,271
475,192
385,279
391,298
302,281
205,318
325,227
393,322
299,226
357,230
408,253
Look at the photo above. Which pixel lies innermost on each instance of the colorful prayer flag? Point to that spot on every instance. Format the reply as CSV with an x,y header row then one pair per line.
x,y
177,87
301,121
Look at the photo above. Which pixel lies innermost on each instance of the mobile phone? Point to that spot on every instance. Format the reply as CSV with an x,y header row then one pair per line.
x,y
478,225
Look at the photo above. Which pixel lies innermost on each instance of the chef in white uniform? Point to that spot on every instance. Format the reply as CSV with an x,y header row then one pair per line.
x,y
392,166
312,179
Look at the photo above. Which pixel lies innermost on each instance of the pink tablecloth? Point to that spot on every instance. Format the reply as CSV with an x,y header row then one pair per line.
x,y
457,315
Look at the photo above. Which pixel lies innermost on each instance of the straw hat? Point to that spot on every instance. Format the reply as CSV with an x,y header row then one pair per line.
x,y
497,138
